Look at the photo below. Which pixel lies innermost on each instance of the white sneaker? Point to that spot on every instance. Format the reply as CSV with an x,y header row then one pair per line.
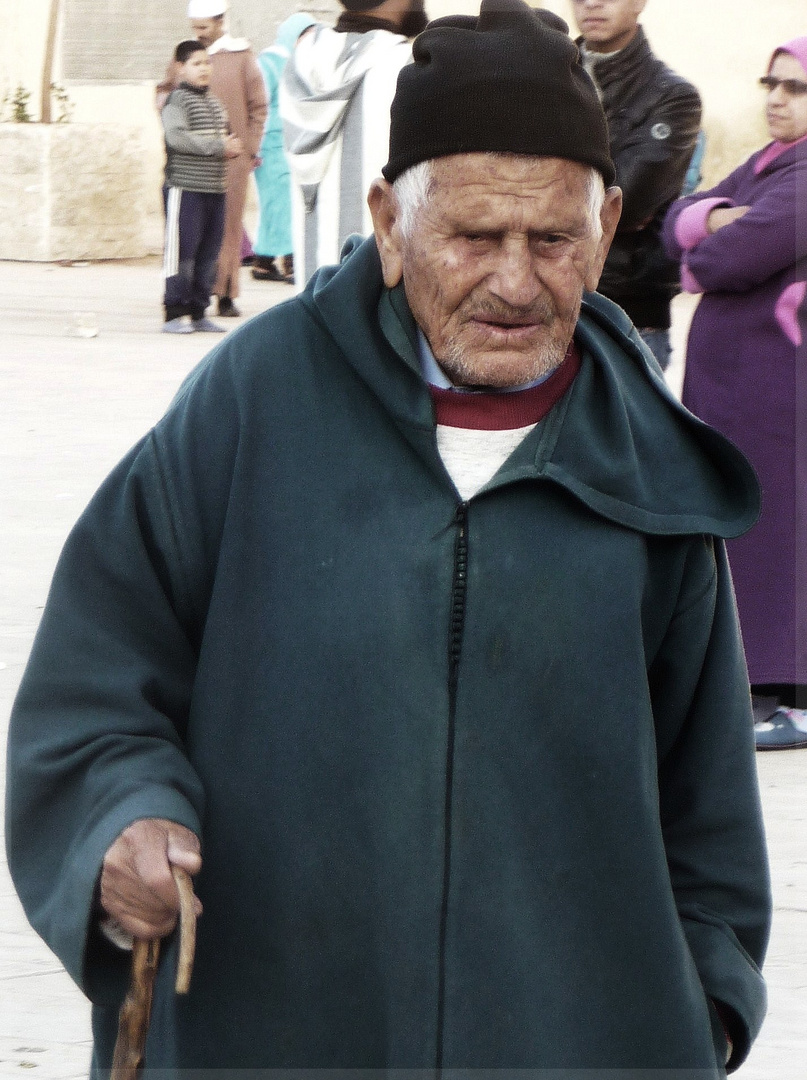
x,y
786,729
177,326
207,326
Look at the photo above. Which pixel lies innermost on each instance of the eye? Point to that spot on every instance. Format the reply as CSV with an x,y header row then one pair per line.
x,y
548,244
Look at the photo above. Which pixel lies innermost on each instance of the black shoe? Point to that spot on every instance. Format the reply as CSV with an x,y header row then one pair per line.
x,y
267,273
227,309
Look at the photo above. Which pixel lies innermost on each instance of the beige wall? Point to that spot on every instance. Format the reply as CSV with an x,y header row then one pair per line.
x,y
72,191
721,45
132,106
22,46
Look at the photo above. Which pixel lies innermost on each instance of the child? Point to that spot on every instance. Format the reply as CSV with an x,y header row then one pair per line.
x,y
197,143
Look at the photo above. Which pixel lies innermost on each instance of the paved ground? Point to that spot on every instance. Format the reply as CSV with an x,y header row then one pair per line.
x,y
71,406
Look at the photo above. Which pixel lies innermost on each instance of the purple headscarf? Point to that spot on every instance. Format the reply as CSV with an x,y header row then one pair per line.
x,y
797,47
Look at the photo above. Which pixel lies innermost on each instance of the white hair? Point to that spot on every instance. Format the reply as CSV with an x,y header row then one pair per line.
x,y
414,187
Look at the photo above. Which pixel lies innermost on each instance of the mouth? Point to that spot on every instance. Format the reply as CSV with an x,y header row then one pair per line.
x,y
508,330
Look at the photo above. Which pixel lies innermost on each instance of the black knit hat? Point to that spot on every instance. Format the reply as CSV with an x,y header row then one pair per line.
x,y
509,81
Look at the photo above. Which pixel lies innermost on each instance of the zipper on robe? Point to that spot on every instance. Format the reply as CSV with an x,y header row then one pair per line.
x,y
456,624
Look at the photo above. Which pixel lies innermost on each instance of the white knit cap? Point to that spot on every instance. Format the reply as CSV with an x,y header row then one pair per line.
x,y
206,9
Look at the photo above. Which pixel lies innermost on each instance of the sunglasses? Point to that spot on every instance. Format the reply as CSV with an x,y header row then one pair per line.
x,y
792,87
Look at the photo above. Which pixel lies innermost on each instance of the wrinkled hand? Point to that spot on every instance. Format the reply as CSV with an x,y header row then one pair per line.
x,y
724,215
137,887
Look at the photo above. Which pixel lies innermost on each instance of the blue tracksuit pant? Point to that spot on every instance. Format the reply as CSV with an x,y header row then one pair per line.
x,y
194,227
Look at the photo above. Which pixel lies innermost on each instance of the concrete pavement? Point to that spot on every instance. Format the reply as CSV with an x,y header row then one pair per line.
x,y
72,405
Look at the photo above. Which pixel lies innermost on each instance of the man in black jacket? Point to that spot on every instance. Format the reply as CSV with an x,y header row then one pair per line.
x,y
653,121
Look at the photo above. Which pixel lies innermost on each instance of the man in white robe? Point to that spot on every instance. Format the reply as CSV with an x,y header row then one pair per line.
x,y
335,102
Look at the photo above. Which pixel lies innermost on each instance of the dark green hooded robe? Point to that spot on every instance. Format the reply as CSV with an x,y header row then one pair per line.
x,y
475,782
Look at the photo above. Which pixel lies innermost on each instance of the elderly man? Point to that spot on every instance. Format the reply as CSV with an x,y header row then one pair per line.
x,y
237,82
409,628
653,119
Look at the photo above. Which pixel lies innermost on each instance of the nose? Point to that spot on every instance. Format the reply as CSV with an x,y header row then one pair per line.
x,y
514,279
778,95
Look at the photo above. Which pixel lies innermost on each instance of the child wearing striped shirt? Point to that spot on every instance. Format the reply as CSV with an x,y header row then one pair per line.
x,y
197,145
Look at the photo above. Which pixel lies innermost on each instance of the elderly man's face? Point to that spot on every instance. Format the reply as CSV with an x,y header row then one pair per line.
x,y
496,263
208,30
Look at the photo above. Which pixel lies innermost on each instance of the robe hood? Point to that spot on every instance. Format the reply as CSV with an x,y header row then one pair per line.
x,y
227,43
619,441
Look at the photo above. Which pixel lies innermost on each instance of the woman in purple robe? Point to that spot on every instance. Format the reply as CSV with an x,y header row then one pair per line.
x,y
743,245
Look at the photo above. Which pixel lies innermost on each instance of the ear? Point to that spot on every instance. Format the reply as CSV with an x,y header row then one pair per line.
x,y
609,219
384,211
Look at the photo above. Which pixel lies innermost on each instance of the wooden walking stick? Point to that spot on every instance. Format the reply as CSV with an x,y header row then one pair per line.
x,y
133,1019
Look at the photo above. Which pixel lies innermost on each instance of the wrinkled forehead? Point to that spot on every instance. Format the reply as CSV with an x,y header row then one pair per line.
x,y
494,169
512,191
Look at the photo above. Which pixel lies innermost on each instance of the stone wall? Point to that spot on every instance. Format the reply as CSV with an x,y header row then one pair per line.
x,y
72,191
110,51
